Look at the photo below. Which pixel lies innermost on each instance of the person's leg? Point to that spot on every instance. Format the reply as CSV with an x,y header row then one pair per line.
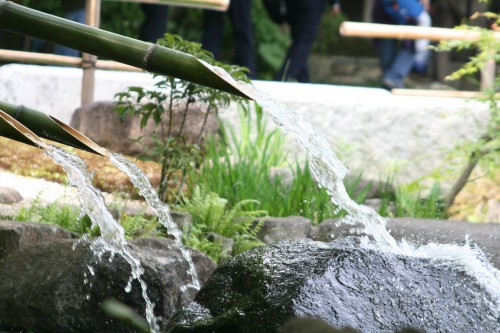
x,y
213,31
304,17
400,67
155,22
76,16
387,49
240,14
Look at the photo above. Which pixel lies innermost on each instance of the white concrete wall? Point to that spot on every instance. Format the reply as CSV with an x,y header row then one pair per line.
x,y
371,129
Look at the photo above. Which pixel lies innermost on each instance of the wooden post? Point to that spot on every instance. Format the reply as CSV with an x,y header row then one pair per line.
x,y
92,18
488,75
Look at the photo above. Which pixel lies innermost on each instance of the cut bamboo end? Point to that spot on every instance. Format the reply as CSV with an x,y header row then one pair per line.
x,y
13,129
240,88
90,145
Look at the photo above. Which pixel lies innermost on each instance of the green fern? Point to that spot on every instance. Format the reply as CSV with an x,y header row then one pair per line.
x,y
211,215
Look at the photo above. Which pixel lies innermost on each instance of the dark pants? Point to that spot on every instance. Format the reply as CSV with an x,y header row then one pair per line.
x,y
239,13
155,22
304,17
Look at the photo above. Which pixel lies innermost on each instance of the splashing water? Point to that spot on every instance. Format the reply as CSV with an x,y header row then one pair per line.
x,y
329,172
112,238
141,182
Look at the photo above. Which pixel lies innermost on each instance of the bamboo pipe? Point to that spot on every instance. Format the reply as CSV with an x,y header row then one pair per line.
x,y
376,30
220,5
12,129
47,127
60,60
148,56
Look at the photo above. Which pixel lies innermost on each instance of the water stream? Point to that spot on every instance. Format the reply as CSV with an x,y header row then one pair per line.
x,y
329,172
112,238
141,182
327,169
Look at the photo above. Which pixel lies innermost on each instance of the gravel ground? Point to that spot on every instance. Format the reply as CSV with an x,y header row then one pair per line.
x,y
48,192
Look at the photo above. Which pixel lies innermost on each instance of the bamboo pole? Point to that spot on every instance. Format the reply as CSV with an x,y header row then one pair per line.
x,y
60,60
46,127
220,5
148,56
376,30
92,18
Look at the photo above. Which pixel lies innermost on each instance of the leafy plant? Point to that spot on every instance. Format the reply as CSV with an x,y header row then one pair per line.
x,y
62,215
211,214
170,97
431,206
487,146
251,163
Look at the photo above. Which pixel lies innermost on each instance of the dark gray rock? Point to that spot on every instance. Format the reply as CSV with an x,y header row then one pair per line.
x,y
225,243
341,283
331,229
183,220
425,231
15,236
50,287
9,195
275,229
103,125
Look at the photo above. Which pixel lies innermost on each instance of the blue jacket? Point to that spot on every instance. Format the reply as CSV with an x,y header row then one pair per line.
x,y
403,11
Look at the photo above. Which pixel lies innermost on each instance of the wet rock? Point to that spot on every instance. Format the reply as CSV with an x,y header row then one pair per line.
x,y
425,231
9,195
331,229
341,283
275,229
15,236
51,287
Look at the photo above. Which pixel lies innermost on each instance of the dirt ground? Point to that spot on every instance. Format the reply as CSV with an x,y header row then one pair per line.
x,y
30,161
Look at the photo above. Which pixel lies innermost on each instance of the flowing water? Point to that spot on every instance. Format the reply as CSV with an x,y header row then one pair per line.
x,y
141,182
329,172
112,238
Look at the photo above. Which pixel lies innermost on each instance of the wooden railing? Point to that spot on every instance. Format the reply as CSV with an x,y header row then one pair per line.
x,y
375,30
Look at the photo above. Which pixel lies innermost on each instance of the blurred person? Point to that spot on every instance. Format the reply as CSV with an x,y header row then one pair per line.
x,y
155,22
397,57
304,17
240,15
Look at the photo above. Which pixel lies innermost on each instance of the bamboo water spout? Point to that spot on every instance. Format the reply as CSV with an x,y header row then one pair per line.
x,y
28,126
105,44
12,129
